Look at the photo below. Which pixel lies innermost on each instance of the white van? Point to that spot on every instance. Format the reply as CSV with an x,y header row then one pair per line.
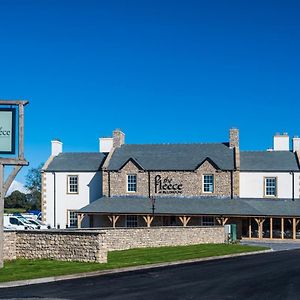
x,y
14,222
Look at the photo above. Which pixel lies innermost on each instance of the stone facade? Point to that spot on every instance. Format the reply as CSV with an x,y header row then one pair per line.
x,y
85,246
115,183
120,239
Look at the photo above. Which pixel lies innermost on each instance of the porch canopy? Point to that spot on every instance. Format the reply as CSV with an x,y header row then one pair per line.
x,y
192,206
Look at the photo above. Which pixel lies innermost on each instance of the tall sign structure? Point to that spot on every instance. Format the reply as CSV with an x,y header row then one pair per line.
x,y
11,126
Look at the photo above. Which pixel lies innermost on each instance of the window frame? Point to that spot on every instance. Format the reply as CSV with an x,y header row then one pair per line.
x,y
127,183
135,221
69,192
207,223
203,183
265,187
69,211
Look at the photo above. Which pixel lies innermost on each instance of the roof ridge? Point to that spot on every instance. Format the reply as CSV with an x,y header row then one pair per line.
x,y
159,144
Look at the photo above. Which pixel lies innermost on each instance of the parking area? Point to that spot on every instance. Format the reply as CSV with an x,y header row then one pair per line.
x,y
276,246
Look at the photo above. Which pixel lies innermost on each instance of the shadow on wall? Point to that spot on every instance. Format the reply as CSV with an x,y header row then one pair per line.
x,y
95,187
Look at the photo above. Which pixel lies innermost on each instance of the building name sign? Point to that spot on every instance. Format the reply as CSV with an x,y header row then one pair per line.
x,y
167,186
7,130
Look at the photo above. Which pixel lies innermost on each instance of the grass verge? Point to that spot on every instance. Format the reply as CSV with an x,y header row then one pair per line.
x,y
21,269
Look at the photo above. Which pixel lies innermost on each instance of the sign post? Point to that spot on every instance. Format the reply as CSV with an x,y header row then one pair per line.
x,y
8,110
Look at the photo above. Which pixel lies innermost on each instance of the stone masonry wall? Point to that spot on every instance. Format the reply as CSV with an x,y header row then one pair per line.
x,y
120,239
85,246
191,181
10,241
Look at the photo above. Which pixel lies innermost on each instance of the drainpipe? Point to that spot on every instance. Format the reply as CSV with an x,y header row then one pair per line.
x,y
54,199
293,186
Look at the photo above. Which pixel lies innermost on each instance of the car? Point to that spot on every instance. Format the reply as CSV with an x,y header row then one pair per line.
x,y
38,223
17,223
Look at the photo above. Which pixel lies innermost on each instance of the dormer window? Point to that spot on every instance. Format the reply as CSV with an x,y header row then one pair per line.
x,y
270,187
131,183
208,183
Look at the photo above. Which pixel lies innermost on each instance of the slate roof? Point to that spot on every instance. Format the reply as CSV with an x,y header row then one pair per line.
x,y
194,206
268,161
179,157
77,161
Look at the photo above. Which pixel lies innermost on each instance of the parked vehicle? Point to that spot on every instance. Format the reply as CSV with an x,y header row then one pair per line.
x,y
14,222
38,223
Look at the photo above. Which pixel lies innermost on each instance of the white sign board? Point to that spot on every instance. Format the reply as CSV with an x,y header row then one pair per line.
x,y
7,130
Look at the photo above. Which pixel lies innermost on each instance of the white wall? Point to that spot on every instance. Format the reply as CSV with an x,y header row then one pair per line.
x,y
90,189
252,184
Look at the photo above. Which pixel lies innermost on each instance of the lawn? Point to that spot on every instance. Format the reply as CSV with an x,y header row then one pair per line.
x,y
27,269
14,210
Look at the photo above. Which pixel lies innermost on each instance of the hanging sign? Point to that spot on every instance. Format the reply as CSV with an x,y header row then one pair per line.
x,y
7,130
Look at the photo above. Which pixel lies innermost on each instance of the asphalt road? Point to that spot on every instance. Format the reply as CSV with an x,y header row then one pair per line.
x,y
273,275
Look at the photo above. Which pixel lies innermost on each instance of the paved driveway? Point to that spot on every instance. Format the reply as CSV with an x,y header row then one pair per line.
x,y
274,275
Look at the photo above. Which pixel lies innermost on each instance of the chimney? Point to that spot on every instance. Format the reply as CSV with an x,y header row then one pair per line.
x,y
234,138
281,142
56,147
234,143
105,144
296,143
118,138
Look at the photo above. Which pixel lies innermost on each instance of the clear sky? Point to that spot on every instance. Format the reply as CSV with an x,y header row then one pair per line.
x,y
162,71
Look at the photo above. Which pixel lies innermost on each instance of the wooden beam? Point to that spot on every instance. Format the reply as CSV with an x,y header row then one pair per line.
x,y
260,222
21,132
222,220
148,219
249,228
113,219
13,162
79,220
1,214
294,228
271,228
11,178
184,220
282,228
14,102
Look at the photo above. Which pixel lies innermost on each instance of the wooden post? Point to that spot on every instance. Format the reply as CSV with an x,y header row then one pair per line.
x,y
249,229
294,228
113,219
1,214
148,219
17,162
222,220
282,228
260,222
271,228
79,220
184,220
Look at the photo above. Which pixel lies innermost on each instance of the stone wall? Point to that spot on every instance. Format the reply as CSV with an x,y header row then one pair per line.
x,y
191,181
10,241
120,239
86,246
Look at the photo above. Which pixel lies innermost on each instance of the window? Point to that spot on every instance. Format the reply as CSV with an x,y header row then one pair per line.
x,y
270,186
131,183
208,221
208,183
131,221
72,219
72,184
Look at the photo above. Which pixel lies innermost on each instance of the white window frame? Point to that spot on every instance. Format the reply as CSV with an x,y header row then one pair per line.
x,y
73,218
213,183
69,177
275,187
131,221
131,183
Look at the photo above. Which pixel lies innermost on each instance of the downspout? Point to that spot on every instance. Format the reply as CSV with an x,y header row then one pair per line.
x,y
231,185
149,191
293,186
54,199
108,183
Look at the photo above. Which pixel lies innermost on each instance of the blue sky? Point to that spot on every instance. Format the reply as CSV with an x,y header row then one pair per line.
x,y
162,71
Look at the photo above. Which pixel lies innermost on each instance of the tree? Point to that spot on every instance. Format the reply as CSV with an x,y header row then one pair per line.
x,y
34,185
15,200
